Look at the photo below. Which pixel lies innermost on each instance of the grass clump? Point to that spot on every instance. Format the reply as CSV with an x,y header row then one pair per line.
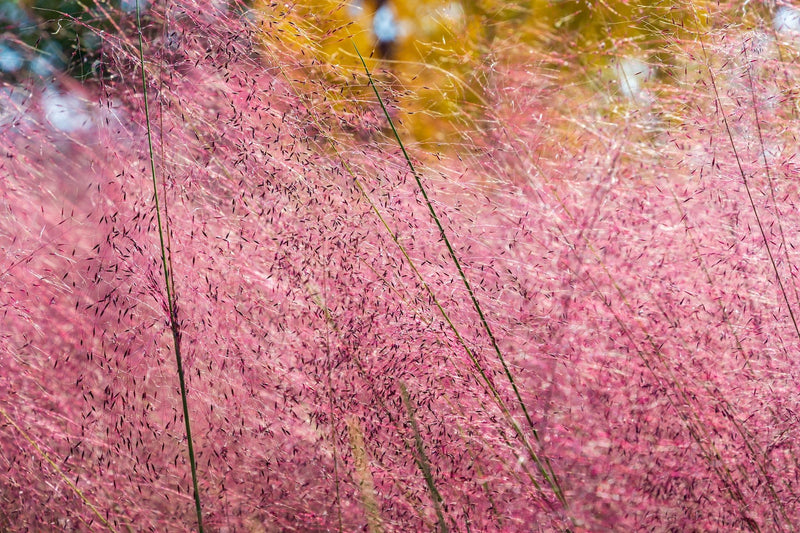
x,y
604,254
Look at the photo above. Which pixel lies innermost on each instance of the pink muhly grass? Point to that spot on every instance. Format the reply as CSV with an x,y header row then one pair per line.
x,y
330,347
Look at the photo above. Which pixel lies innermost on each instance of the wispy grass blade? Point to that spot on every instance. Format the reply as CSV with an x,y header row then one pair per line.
x,y
484,378
168,282
548,473
746,183
422,461
364,480
768,173
58,470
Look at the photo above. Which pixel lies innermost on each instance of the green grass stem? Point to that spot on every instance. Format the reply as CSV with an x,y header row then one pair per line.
x,y
422,461
170,288
548,473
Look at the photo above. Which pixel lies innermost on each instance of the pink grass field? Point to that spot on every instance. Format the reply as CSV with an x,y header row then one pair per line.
x,y
635,258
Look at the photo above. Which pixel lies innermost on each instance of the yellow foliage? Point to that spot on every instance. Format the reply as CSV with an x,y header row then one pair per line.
x,y
436,70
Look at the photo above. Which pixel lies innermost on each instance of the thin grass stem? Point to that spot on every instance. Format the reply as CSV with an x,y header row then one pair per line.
x,y
746,183
422,461
58,470
768,172
490,387
548,473
168,281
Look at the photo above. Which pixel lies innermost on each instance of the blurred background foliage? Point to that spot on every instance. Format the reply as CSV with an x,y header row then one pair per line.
x,y
443,52
44,37
436,58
